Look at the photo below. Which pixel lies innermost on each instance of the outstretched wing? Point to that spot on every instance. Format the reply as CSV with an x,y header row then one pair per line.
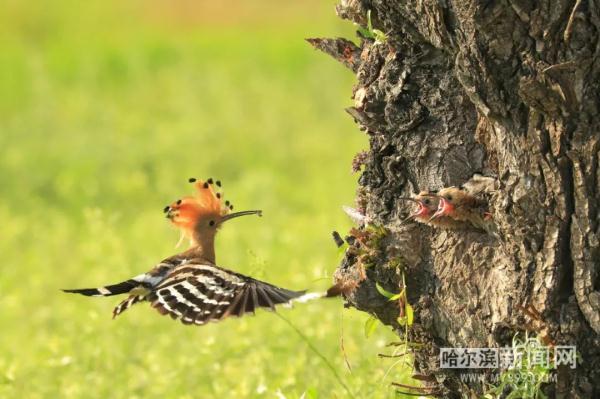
x,y
198,293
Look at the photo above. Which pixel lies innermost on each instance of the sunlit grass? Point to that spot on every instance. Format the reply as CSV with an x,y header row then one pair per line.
x,y
105,112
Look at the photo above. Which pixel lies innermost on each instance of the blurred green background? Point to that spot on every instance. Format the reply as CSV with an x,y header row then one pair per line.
x,y
106,108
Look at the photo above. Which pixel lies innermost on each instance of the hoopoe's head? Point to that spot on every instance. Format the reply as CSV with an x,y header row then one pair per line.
x,y
200,216
427,205
450,199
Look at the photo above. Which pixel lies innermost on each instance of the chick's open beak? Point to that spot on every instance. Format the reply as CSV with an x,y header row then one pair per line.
x,y
420,212
444,208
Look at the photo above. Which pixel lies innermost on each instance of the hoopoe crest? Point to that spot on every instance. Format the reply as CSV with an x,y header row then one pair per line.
x,y
200,216
189,286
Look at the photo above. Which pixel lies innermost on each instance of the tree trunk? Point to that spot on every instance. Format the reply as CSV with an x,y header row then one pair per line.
x,y
507,89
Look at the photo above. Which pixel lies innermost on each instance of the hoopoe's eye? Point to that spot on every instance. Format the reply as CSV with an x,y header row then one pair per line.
x,y
211,223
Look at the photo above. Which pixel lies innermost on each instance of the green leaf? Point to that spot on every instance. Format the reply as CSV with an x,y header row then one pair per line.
x,y
397,296
386,293
365,32
380,37
369,24
368,31
370,326
379,34
410,314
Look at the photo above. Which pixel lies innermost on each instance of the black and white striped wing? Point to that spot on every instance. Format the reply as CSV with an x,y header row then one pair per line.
x,y
198,293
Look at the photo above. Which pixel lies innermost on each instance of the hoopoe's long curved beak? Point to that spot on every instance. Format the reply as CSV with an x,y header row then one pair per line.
x,y
230,216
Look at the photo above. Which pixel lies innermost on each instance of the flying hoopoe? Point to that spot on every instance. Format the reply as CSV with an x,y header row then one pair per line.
x,y
428,205
189,286
458,204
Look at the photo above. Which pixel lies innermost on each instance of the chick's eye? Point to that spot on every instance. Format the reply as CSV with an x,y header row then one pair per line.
x,y
211,223
449,197
427,202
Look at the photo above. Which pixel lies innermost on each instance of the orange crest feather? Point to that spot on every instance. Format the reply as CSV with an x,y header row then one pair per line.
x,y
207,203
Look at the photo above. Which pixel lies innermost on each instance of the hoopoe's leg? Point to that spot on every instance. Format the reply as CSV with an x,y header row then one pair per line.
x,y
127,303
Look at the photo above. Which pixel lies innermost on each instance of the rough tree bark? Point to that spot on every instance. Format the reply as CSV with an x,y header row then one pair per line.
x,y
508,89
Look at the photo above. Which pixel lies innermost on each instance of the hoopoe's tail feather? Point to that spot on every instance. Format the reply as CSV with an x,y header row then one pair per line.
x,y
114,289
306,297
309,297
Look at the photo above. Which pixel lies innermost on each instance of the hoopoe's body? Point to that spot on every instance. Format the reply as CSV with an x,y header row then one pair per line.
x,y
459,205
190,286
428,205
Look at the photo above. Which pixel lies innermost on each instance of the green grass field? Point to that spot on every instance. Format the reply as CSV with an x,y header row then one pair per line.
x,y
106,108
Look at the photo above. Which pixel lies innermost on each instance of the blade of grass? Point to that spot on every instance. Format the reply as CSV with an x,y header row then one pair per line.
x,y
318,353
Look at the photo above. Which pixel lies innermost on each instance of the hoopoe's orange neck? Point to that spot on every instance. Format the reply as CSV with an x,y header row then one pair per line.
x,y
201,247
204,246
